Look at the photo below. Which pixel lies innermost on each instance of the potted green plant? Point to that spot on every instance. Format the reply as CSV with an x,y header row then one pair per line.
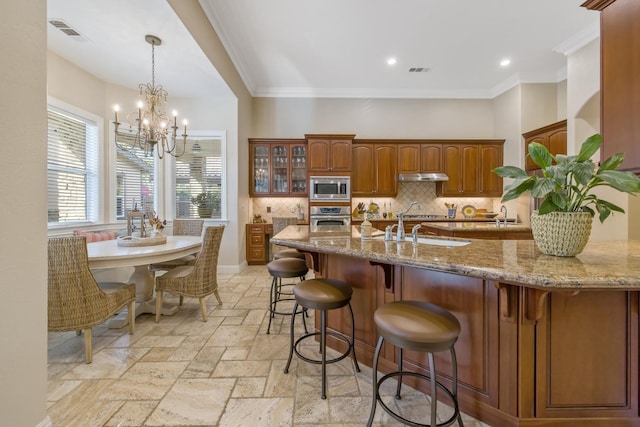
x,y
205,203
562,224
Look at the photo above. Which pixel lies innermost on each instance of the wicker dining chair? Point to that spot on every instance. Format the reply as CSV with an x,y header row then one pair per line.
x,y
76,301
198,280
181,227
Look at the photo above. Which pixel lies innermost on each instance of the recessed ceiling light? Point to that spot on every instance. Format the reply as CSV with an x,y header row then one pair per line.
x,y
391,61
505,62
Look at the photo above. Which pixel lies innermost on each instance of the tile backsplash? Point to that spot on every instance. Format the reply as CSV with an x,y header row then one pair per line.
x,y
422,192
425,194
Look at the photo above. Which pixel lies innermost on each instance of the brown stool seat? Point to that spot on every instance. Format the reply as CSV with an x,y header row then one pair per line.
x,y
322,294
416,325
288,253
287,267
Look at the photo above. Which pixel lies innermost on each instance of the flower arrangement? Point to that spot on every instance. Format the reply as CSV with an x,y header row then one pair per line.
x,y
156,223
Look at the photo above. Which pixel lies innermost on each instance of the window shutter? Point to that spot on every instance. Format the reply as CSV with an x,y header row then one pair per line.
x,y
72,182
134,179
199,175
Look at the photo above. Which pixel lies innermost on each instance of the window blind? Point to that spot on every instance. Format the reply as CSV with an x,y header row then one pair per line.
x,y
72,188
199,179
134,179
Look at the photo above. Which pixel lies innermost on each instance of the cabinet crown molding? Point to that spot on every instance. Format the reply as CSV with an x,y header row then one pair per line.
x,y
596,4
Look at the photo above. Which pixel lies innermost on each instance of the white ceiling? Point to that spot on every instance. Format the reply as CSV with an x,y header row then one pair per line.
x,y
335,48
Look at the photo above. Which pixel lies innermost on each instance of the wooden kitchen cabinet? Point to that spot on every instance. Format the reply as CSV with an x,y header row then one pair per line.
x,y
469,167
553,136
257,241
620,86
329,153
278,167
419,158
374,170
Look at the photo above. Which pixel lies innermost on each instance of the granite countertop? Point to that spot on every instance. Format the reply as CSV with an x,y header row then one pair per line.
x,y
394,220
476,226
602,265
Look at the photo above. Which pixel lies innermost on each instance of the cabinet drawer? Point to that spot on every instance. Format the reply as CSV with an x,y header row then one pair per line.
x,y
257,254
256,229
257,239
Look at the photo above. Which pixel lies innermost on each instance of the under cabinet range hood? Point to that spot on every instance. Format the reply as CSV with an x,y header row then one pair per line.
x,y
436,176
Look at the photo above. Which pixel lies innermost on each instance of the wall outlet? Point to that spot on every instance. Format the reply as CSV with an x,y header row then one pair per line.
x,y
268,209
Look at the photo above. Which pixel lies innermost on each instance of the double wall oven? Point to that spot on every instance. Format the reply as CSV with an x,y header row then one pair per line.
x,y
330,215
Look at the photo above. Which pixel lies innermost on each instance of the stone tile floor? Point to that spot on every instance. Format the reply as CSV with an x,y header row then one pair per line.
x,y
225,372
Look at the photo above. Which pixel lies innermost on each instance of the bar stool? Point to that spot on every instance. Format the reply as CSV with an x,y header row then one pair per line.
x,y
323,295
418,326
284,268
288,253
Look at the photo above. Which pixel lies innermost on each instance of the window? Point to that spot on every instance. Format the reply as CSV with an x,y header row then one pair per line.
x,y
134,178
72,181
199,179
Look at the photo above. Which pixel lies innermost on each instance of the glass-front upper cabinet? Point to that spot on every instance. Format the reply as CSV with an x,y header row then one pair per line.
x,y
278,167
260,154
299,169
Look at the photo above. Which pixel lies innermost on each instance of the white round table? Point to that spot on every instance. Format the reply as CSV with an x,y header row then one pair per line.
x,y
107,254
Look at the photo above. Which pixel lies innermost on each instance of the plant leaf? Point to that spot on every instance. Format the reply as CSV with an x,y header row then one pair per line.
x,y
540,155
547,206
589,147
627,182
583,172
610,206
559,200
514,190
543,186
510,172
612,162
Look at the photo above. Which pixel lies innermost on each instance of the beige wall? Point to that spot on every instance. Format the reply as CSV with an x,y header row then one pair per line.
x,y
373,118
23,252
539,105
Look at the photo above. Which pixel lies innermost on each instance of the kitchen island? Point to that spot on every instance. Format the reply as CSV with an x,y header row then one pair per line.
x,y
545,340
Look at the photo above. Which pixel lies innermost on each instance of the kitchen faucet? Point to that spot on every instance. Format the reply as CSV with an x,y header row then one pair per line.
x,y
504,208
414,232
400,235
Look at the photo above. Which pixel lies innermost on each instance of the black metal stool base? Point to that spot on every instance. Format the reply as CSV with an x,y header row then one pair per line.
x,y
403,420
276,297
317,361
323,347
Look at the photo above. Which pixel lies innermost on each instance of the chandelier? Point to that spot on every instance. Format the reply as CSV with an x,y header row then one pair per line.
x,y
150,127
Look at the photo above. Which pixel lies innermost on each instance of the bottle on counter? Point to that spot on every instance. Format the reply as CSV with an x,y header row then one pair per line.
x,y
365,228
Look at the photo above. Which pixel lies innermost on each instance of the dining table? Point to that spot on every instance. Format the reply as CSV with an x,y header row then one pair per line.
x,y
109,254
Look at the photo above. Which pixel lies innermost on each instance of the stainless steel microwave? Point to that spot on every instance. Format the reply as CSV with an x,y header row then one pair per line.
x,y
329,188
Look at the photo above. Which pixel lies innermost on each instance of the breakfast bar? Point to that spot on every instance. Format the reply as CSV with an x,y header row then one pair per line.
x,y
545,340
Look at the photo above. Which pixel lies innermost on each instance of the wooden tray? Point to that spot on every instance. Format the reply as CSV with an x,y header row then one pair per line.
x,y
142,241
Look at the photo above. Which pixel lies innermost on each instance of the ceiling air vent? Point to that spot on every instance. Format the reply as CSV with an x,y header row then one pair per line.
x,y
66,28
419,69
